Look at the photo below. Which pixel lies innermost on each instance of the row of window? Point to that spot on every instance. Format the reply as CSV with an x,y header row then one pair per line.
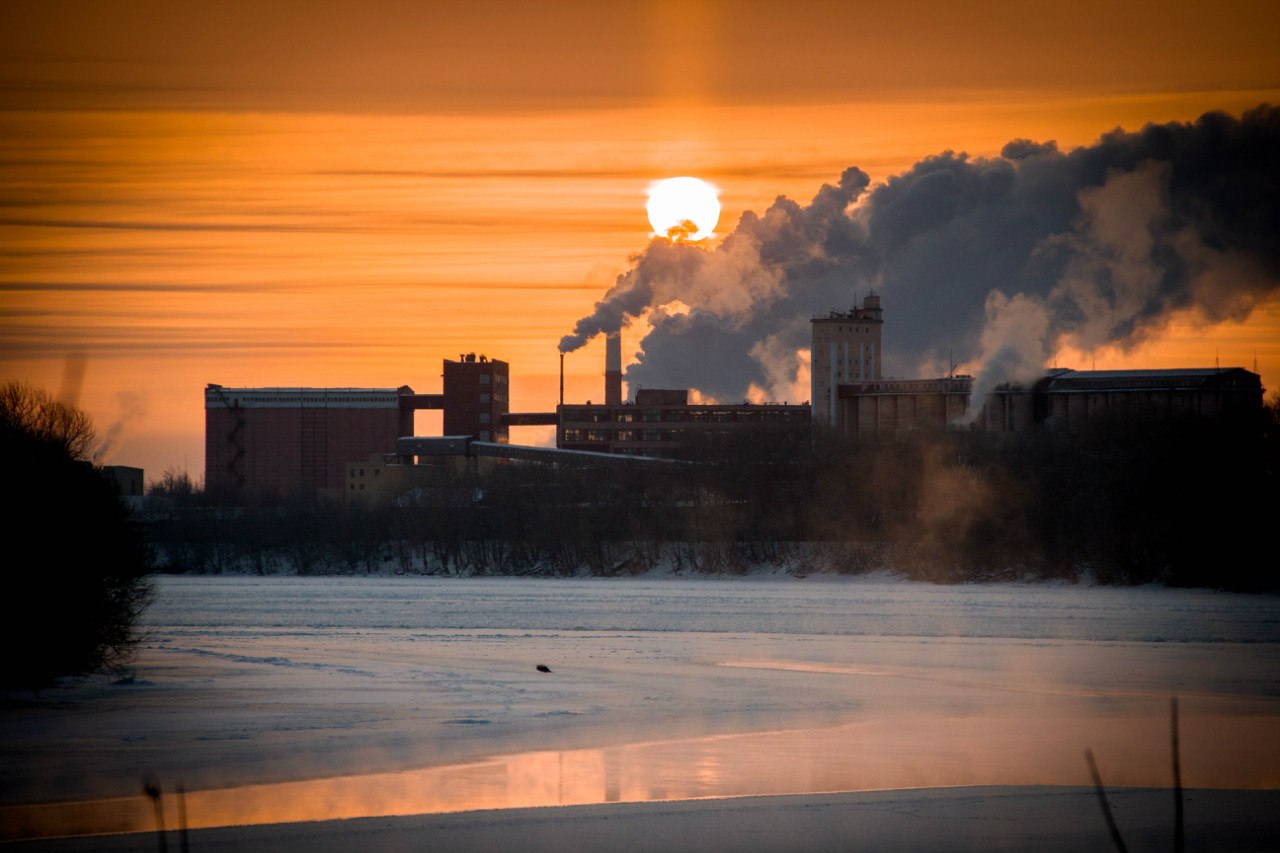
x,y
603,436
695,416
386,401
574,436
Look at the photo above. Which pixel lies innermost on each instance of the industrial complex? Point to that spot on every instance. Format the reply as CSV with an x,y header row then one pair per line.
x,y
359,441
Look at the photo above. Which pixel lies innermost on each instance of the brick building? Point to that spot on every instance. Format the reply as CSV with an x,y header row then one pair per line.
x,y
296,441
476,396
291,442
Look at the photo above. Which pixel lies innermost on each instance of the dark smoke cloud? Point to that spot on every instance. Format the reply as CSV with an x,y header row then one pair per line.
x,y
995,261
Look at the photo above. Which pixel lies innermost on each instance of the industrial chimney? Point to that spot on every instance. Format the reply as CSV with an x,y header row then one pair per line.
x,y
613,369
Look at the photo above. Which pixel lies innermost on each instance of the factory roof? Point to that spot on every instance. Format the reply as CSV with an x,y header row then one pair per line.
x,y
217,396
1183,377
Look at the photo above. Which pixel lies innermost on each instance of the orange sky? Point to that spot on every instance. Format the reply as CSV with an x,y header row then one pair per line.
x,y
280,194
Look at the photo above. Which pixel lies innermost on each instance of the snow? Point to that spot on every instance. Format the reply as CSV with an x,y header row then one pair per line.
x,y
302,699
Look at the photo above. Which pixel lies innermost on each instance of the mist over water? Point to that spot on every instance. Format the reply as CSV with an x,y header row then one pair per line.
x,y
993,262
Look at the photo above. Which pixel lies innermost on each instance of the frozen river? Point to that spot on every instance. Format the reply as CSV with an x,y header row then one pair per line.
x,y
306,698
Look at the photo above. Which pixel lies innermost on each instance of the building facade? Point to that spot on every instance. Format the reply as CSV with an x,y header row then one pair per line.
x,y
1069,399
477,394
891,406
291,442
662,422
1062,399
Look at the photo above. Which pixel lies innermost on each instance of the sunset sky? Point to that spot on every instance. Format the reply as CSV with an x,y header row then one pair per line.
x,y
291,193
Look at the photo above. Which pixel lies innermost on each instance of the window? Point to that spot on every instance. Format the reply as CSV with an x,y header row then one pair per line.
x,y
484,435
484,417
484,379
484,399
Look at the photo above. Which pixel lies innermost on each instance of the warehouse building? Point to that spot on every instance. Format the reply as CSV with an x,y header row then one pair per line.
x,y
291,442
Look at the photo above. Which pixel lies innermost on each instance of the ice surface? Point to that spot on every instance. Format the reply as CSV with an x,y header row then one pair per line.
x,y
379,696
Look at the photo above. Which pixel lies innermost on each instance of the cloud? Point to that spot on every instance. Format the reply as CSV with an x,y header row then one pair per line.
x,y
995,261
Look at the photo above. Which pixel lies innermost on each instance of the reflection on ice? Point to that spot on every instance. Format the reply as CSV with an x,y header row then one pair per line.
x,y
901,753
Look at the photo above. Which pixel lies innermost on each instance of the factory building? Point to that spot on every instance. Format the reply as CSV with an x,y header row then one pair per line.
x,y
1070,399
851,398
476,396
1062,399
305,441
845,350
660,422
291,442
127,480
295,441
892,406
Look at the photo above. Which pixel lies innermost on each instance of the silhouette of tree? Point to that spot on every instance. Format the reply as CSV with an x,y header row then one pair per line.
x,y
74,580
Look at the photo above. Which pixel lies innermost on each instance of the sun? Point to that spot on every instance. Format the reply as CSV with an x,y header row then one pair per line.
x,y
683,209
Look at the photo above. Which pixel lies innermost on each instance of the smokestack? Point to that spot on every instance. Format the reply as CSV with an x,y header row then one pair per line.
x,y
613,369
562,379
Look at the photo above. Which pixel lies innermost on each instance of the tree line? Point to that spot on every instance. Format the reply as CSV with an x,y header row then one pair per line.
x,y
1133,498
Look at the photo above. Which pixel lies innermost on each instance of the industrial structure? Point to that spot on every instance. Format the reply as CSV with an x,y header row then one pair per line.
x,y
1070,399
1061,399
661,422
305,441
290,441
851,399
476,395
845,349
298,441
890,406
612,370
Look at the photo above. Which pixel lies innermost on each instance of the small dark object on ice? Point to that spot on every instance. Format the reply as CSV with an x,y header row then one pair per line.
x,y
542,667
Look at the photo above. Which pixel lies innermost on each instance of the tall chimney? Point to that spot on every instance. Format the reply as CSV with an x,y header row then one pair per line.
x,y
613,369
562,379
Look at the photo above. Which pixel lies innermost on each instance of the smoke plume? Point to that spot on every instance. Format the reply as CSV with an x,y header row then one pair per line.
x,y
996,261
133,407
